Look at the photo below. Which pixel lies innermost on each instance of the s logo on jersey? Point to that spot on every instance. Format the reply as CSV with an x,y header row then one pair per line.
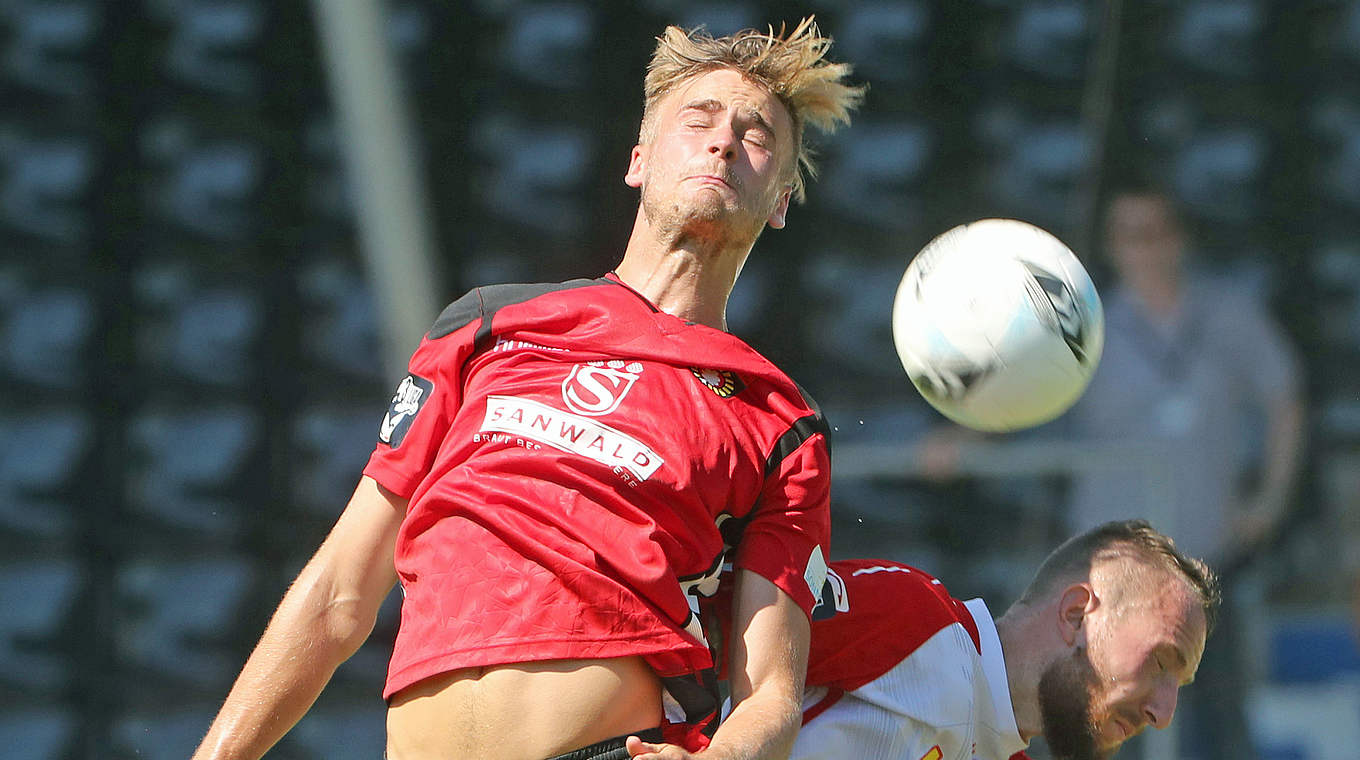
x,y
723,382
596,388
411,395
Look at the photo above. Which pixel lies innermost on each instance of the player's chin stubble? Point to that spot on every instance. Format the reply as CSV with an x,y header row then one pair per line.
x,y
1065,694
709,220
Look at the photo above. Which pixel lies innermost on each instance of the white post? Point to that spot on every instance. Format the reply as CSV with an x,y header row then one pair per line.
x,y
380,157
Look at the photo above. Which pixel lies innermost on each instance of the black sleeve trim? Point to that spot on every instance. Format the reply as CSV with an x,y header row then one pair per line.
x,y
789,442
483,303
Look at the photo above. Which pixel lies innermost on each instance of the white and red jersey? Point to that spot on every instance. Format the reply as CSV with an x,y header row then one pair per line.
x,y
577,463
901,670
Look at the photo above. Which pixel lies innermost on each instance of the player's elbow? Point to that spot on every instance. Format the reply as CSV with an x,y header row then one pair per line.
x,y
335,619
348,624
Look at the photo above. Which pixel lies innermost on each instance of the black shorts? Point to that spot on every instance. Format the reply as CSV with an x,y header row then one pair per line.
x,y
610,749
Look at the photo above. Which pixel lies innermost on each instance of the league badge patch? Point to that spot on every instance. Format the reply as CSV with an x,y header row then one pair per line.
x,y
723,382
411,395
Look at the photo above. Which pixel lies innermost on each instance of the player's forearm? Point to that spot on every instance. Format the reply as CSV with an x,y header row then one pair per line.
x,y
761,727
310,635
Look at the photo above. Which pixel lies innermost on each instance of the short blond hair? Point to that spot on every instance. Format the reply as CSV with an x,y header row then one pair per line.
x,y
793,68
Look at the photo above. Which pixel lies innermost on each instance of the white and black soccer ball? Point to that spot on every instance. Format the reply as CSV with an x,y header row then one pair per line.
x,y
998,325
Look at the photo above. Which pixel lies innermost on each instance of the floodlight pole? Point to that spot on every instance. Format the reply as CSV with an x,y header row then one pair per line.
x,y
380,157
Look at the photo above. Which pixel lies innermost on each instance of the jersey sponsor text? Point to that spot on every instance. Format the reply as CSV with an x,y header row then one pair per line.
x,y
571,433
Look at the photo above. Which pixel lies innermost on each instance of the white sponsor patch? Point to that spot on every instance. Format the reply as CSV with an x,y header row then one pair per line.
x,y
570,432
815,573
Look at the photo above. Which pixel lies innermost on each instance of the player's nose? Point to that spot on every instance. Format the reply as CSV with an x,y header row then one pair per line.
x,y
722,141
1160,706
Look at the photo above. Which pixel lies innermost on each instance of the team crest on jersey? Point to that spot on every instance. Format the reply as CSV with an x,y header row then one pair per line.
x,y
723,382
933,754
596,388
411,395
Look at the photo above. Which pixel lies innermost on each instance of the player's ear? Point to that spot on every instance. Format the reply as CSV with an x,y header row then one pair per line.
x,y
1075,603
781,210
637,161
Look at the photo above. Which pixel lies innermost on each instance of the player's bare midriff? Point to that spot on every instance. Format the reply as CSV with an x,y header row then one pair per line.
x,y
526,711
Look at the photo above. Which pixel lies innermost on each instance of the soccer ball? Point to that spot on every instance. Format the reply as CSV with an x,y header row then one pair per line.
x,y
998,325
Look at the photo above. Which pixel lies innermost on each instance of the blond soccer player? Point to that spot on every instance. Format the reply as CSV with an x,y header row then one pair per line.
x,y
568,466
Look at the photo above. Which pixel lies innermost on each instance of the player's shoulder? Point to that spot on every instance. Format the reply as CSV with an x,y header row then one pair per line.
x,y
899,596
883,572
482,303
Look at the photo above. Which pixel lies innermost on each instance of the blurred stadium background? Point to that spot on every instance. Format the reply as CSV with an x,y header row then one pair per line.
x,y
190,348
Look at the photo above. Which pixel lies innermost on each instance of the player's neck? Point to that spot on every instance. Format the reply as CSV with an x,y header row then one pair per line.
x,y
683,276
1023,672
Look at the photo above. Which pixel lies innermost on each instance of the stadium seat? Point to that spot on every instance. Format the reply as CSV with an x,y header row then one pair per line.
x,y
199,183
43,447
210,44
176,620
39,733
199,326
1217,173
850,327
876,175
327,196
886,41
355,732
44,337
1034,163
1334,124
39,600
190,468
339,331
534,173
1219,37
1051,38
169,733
48,45
1334,264
330,446
42,453
44,178
549,45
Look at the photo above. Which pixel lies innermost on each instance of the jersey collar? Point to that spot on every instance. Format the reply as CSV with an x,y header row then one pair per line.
x,y
1003,738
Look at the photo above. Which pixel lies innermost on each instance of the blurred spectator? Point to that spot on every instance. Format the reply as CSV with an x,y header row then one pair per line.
x,y
1196,373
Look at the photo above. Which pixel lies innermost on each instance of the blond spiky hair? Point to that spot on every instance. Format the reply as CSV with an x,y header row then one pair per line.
x,y
793,68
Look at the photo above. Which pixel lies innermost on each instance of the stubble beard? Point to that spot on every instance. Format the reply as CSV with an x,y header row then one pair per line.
x,y
1067,690
707,221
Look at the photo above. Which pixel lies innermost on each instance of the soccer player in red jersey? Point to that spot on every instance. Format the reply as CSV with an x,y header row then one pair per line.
x,y
1096,649
568,466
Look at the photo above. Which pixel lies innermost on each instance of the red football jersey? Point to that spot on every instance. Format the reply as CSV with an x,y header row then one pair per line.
x,y
900,668
577,461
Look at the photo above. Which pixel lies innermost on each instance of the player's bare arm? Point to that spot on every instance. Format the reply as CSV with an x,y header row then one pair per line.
x,y
324,617
769,650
